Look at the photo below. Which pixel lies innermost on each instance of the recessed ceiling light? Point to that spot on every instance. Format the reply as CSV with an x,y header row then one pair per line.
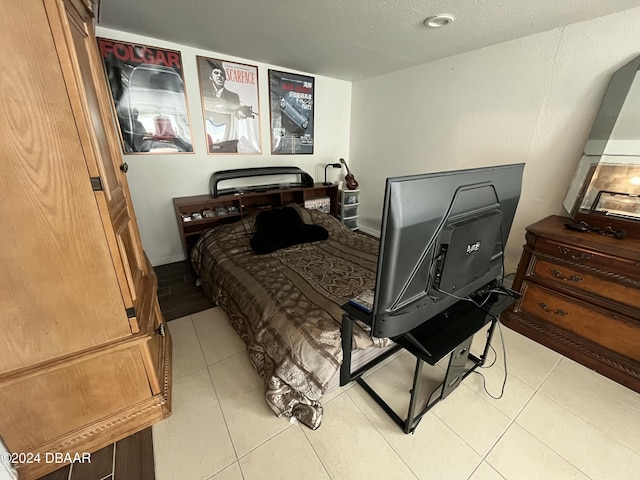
x,y
438,21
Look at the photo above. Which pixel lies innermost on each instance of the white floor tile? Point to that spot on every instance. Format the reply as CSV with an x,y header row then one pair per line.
x,y
485,472
350,447
473,418
241,392
295,459
232,472
515,396
433,451
592,451
599,401
217,337
187,356
526,360
521,456
193,443
334,392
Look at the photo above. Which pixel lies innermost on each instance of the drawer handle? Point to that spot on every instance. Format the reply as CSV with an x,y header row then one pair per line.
x,y
558,274
557,311
566,251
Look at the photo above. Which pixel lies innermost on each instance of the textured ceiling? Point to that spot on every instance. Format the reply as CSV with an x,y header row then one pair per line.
x,y
345,39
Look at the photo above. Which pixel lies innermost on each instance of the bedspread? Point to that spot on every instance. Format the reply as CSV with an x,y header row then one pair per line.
x,y
286,305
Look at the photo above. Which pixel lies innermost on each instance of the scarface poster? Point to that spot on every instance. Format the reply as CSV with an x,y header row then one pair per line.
x,y
147,88
230,106
291,103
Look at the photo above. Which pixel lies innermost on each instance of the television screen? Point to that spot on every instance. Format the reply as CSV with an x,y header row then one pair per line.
x,y
442,238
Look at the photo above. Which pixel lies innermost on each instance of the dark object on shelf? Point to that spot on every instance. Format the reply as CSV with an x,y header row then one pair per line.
x,y
305,179
578,227
333,165
585,227
349,180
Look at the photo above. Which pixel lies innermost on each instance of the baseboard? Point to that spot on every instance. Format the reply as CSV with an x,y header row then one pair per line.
x,y
370,231
155,262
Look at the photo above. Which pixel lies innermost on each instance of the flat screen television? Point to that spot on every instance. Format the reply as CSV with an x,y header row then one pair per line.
x,y
442,238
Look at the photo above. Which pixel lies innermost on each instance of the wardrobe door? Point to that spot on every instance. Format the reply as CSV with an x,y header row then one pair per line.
x,y
57,282
88,88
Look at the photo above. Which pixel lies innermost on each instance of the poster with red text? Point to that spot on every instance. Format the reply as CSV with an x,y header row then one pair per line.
x,y
291,103
230,106
147,88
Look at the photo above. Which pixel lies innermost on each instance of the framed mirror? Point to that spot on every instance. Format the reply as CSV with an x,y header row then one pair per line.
x,y
605,190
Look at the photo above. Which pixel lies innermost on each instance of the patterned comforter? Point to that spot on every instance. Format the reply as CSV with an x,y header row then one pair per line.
x,y
286,305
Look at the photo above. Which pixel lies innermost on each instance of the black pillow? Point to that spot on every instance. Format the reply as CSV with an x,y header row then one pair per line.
x,y
283,227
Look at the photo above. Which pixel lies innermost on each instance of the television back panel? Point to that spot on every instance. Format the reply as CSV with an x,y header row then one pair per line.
x,y
470,246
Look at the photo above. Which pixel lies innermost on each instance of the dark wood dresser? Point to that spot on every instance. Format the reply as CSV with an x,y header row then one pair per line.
x,y
581,298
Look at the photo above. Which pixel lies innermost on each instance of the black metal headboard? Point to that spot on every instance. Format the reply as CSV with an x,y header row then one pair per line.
x,y
305,179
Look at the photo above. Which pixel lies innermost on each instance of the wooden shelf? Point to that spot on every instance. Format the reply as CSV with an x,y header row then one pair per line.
x,y
246,204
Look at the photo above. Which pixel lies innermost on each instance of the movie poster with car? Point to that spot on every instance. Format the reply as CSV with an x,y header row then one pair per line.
x,y
291,103
147,89
230,106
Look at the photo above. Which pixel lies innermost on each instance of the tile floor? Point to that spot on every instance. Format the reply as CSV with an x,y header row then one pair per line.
x,y
556,420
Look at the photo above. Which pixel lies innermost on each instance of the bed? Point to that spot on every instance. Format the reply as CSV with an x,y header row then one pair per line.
x,y
285,305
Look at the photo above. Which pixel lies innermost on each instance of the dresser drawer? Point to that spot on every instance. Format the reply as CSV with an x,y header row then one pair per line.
x,y
611,331
566,276
598,261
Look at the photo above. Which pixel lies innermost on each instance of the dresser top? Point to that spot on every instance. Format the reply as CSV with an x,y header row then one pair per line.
x,y
553,228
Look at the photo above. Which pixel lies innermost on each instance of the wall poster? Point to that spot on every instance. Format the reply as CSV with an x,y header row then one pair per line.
x,y
230,105
147,88
291,103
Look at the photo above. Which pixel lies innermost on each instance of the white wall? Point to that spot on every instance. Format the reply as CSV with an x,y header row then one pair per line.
x,y
154,180
529,100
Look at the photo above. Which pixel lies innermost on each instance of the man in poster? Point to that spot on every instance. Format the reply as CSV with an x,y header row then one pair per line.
x,y
218,78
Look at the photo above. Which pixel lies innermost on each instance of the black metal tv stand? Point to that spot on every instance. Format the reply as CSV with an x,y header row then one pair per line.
x,y
449,333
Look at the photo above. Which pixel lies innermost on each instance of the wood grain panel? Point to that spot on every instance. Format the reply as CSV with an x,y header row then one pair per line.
x,y
153,350
568,277
52,236
70,397
607,329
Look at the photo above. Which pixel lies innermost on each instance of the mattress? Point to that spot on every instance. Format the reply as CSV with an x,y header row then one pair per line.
x,y
285,305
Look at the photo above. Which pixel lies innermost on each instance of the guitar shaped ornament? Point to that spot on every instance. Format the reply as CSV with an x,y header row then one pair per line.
x,y
349,179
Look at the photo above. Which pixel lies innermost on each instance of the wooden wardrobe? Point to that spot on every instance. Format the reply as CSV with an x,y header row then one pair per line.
x,y
85,354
